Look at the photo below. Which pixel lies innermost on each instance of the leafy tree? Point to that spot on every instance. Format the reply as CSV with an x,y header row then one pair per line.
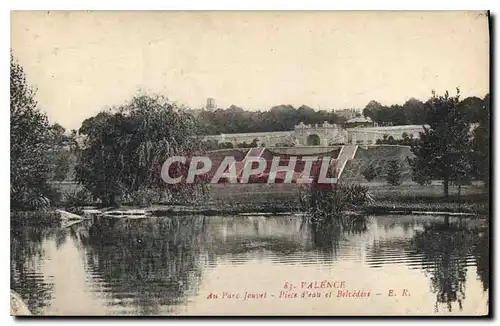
x,y
210,145
481,143
443,151
396,115
463,169
279,118
242,145
125,148
60,152
61,162
394,173
384,140
419,175
58,135
415,111
369,173
29,144
72,141
373,110
406,140
254,143
284,116
472,108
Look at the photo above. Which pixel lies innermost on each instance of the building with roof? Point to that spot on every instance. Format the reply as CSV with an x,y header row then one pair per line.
x,y
360,121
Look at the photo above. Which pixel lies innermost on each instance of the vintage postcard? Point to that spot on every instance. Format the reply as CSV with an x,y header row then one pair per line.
x,y
292,163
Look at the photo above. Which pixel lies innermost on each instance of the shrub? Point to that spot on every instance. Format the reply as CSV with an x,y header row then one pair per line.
x,y
75,198
189,193
369,173
321,205
145,197
394,173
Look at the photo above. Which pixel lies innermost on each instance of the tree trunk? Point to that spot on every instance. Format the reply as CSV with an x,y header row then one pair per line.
x,y
110,201
446,186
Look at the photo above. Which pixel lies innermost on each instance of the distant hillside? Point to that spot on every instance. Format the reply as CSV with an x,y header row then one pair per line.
x,y
379,157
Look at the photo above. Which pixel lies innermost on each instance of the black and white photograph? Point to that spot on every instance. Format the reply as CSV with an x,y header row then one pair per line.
x,y
250,163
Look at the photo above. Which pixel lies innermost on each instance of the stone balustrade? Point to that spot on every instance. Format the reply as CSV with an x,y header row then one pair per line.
x,y
303,135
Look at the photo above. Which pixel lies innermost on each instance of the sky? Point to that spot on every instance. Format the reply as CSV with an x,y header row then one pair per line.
x,y
84,62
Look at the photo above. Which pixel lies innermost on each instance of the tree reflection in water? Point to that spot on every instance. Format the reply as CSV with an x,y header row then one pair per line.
x,y
327,234
482,254
26,254
446,248
155,261
152,265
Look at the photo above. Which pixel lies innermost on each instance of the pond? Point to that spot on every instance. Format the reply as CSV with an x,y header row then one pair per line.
x,y
253,265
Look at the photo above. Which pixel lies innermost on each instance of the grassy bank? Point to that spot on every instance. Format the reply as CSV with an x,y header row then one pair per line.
x,y
402,199
46,217
405,198
413,197
408,208
229,209
279,198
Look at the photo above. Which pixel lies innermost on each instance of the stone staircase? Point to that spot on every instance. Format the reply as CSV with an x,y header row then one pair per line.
x,y
252,153
346,153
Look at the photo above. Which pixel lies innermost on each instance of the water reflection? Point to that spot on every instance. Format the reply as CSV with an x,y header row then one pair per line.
x,y
26,255
328,235
158,266
482,255
153,262
447,249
